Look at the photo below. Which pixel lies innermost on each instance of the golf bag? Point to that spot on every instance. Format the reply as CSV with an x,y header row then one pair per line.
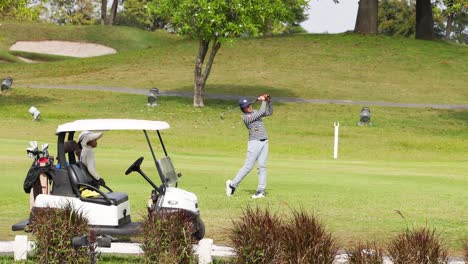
x,y
40,173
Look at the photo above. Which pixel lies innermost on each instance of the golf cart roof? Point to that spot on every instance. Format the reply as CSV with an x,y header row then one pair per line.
x,y
112,124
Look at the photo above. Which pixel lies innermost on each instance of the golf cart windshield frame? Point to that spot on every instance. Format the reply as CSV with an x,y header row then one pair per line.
x,y
164,166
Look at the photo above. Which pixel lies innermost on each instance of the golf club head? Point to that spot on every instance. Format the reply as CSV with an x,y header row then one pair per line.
x,y
45,150
33,144
30,152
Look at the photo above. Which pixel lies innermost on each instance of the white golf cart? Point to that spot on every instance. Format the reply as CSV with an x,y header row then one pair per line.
x,y
109,212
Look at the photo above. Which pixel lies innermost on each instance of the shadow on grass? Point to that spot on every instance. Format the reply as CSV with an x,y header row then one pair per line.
x,y
216,104
13,99
40,56
234,91
460,115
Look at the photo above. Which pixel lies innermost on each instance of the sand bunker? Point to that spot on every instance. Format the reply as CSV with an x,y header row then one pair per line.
x,y
64,48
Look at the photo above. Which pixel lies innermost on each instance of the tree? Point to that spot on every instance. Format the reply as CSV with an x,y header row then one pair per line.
x,y
367,19
76,12
424,20
460,32
397,18
298,8
103,11
135,13
20,9
450,12
213,21
105,19
113,13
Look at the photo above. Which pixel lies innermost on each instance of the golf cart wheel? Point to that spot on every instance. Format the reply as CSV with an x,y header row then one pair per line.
x,y
200,229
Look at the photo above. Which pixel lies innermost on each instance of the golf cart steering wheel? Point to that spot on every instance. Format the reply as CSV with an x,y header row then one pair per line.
x,y
135,166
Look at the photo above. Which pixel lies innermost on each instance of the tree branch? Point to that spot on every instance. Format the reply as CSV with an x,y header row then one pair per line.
x,y
214,49
202,50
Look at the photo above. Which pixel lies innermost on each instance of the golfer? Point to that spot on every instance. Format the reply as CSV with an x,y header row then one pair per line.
x,y
88,141
257,148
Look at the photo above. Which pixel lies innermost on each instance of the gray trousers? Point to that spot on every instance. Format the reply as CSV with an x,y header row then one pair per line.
x,y
257,151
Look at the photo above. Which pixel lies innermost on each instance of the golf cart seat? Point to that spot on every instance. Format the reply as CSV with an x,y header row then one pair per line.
x,y
80,179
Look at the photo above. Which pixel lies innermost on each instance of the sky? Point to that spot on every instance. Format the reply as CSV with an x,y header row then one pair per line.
x,y
327,17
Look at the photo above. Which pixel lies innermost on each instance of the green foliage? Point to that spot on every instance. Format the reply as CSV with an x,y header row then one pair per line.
x,y
19,10
397,18
454,12
368,253
53,230
209,20
459,10
168,238
136,14
439,22
460,24
75,12
298,8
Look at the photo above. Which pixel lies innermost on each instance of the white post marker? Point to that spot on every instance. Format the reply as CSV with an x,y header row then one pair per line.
x,y
21,247
335,147
204,251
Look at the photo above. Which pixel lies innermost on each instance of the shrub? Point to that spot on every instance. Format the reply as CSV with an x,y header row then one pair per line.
x,y
255,237
261,237
53,230
368,253
168,238
305,240
421,246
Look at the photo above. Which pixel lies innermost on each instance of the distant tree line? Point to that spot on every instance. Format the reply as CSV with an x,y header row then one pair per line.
x,y
110,12
423,19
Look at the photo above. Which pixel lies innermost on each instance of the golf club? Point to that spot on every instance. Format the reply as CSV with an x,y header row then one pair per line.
x,y
235,108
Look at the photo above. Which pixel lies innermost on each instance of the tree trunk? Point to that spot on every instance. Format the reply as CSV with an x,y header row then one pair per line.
x,y
367,20
202,75
103,11
113,13
424,20
448,27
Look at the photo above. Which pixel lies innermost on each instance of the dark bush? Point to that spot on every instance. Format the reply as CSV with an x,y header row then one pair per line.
x,y
53,230
255,237
368,253
168,238
305,240
417,246
262,237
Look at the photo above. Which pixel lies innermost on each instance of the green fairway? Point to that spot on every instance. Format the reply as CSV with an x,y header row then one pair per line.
x,y
411,160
